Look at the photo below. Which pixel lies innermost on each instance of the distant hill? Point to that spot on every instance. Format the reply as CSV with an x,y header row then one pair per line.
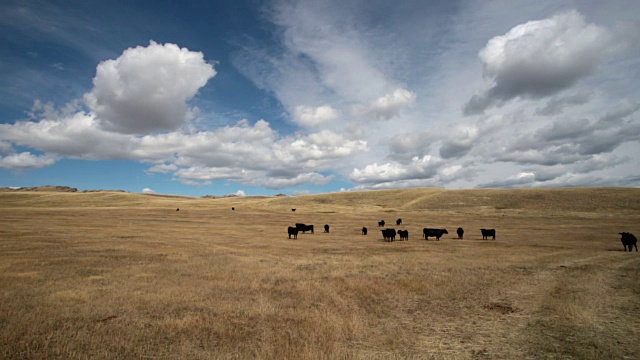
x,y
47,188
397,200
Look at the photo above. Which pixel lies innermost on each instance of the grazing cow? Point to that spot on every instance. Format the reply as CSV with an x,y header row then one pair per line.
x,y
460,232
292,231
326,228
364,230
293,209
399,222
488,232
304,228
437,233
404,234
389,234
628,239
381,223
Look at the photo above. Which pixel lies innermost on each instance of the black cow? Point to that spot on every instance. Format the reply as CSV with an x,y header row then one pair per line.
x,y
233,208
304,228
293,209
292,231
178,209
364,230
628,239
488,232
437,233
460,232
404,234
381,223
389,234
399,222
326,228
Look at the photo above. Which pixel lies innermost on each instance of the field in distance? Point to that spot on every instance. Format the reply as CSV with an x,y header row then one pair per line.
x,y
115,275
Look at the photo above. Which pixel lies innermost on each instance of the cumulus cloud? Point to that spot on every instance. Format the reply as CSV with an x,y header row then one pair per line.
x,y
388,105
271,182
310,116
240,193
523,179
418,168
540,58
26,160
5,147
566,179
570,140
460,142
317,150
162,168
147,88
148,191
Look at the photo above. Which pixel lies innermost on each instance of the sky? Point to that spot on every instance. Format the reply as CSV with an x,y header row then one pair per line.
x,y
303,97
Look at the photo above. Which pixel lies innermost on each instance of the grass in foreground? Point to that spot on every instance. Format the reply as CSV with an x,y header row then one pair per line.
x,y
107,276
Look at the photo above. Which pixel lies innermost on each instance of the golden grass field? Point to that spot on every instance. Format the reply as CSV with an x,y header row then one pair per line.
x,y
114,275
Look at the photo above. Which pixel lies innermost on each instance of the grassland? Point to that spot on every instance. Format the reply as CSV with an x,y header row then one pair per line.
x,y
112,275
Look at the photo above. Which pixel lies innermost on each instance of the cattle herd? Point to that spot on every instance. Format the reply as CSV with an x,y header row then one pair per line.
x,y
389,234
629,241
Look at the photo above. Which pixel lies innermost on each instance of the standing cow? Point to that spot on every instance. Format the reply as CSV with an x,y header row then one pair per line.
x,y
460,232
364,230
292,231
399,222
628,239
389,234
404,234
488,232
304,228
381,223
437,233
326,228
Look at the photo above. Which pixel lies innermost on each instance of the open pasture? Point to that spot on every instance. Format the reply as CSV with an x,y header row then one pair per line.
x,y
109,275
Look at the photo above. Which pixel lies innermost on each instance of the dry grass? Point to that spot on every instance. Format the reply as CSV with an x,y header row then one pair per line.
x,y
110,275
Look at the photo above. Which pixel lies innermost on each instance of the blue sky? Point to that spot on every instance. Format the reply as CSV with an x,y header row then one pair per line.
x,y
296,97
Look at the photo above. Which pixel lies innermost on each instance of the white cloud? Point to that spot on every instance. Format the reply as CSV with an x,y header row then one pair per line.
x,y
5,147
419,168
26,160
387,106
147,88
162,168
240,193
148,191
540,58
310,116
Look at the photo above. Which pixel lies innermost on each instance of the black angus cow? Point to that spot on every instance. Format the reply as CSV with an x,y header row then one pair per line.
x,y
304,228
460,232
326,228
293,209
292,231
404,234
364,230
488,232
381,223
389,234
628,239
399,222
437,233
